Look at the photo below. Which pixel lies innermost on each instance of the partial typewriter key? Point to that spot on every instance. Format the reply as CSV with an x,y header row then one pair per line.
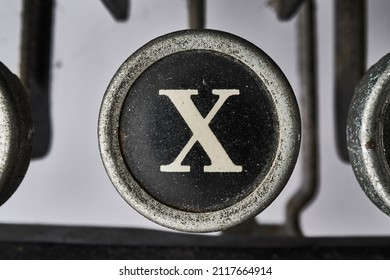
x,y
16,133
368,134
199,130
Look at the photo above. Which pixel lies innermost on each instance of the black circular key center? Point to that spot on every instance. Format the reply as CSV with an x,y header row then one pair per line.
x,y
198,130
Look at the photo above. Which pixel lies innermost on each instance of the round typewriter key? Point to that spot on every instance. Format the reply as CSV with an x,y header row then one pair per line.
x,y
16,132
368,133
199,130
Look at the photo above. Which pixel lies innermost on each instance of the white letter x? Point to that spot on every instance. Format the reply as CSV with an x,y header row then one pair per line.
x,y
220,161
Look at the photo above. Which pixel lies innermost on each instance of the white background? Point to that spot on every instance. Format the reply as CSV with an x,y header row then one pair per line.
x,y
110,269
70,185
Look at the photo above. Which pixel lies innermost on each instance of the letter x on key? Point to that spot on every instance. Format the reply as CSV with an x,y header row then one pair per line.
x,y
220,160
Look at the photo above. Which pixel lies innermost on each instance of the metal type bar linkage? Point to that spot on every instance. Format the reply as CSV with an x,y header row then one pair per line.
x,y
286,9
196,13
350,61
309,147
36,64
119,9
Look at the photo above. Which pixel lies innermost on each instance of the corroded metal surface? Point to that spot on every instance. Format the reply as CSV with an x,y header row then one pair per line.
x,y
269,185
16,133
366,136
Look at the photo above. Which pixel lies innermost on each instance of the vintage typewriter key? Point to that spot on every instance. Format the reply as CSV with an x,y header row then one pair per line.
x,y
16,133
368,133
199,130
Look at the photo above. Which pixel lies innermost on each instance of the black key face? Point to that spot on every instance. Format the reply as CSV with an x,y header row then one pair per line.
x,y
198,130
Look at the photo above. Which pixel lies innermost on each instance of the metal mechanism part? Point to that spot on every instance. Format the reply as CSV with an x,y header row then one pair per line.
x,y
119,9
306,26
309,151
134,147
16,133
368,133
286,9
350,61
36,63
196,13
75,242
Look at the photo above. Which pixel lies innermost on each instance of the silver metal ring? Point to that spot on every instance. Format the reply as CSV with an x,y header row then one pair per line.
x,y
286,111
16,133
365,133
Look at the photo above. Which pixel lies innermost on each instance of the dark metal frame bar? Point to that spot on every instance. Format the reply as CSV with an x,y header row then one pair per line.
x,y
350,62
57,242
307,55
119,9
36,65
196,13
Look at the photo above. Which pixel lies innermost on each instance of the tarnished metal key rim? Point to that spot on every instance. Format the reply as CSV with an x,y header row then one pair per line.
x,y
368,133
16,133
199,130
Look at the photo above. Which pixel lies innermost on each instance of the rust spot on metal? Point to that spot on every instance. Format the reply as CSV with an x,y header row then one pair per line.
x,y
371,145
